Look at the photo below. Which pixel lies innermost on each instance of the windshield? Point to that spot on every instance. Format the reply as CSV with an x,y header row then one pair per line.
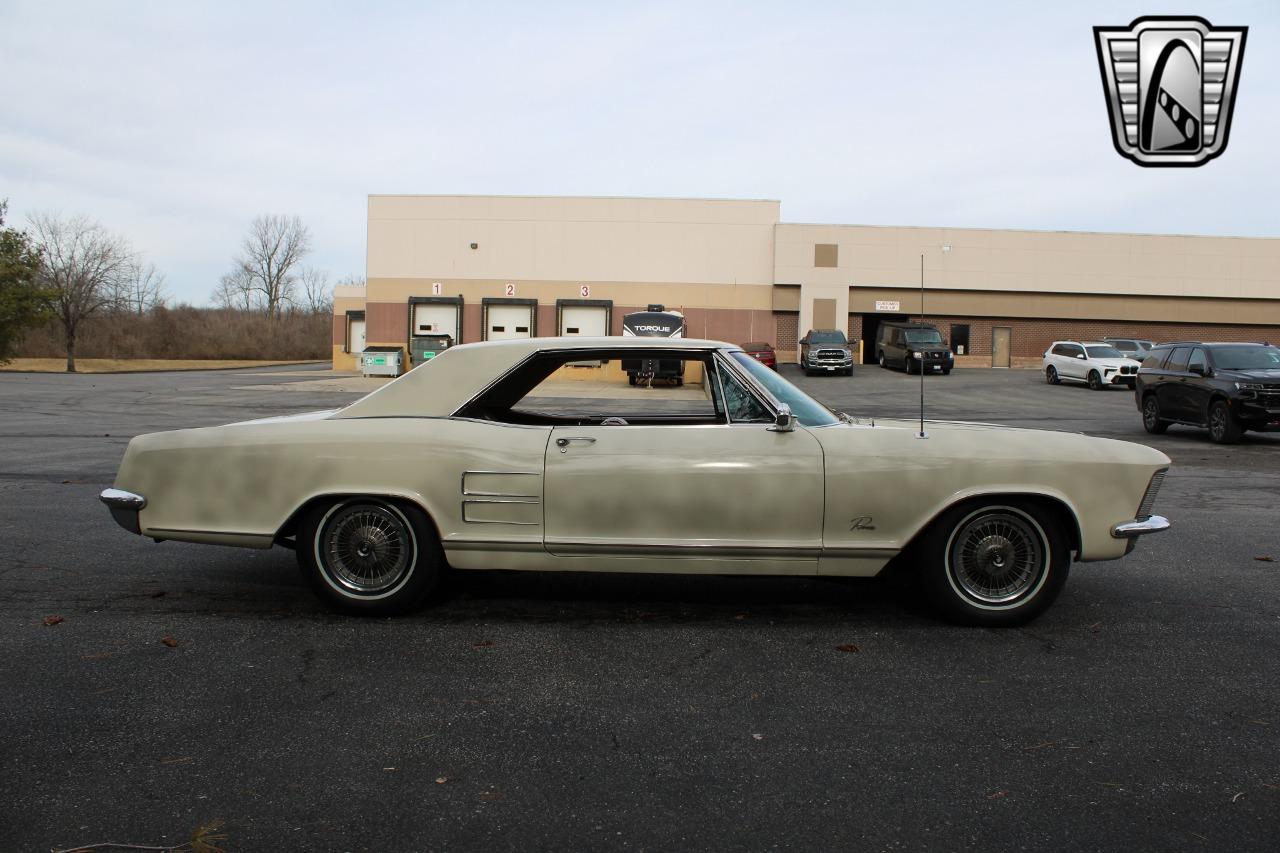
x,y
1104,352
808,411
826,338
923,336
1247,358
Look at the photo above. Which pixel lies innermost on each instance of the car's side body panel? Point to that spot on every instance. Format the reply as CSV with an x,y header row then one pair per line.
x,y
741,491
884,484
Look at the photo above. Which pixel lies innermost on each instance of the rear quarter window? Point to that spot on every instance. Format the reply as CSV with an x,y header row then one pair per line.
x,y
1154,359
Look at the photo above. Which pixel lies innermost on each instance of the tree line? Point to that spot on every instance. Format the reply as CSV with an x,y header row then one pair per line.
x,y
68,286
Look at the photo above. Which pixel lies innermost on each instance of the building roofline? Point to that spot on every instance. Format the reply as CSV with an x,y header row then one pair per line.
x,y
1026,230
582,197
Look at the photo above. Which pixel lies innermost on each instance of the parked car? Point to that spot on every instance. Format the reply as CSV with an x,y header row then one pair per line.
x,y
1093,362
826,351
912,346
475,461
762,352
1132,347
1226,387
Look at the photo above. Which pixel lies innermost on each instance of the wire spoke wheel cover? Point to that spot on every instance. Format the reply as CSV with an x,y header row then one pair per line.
x,y
997,558
366,549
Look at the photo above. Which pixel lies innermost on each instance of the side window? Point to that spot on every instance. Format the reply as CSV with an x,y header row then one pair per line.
x,y
1178,360
1075,351
1060,349
741,405
1197,358
1152,361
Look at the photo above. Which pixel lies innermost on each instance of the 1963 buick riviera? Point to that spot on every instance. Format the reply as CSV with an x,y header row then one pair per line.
x,y
538,454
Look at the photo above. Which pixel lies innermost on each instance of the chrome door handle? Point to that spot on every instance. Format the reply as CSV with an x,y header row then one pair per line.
x,y
564,442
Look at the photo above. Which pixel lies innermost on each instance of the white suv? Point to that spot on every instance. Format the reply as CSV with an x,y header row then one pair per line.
x,y
1096,363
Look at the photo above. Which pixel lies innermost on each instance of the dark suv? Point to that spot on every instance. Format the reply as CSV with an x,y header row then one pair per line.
x,y
1227,387
898,344
826,350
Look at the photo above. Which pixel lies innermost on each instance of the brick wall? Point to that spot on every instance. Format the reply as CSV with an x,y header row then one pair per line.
x,y
787,331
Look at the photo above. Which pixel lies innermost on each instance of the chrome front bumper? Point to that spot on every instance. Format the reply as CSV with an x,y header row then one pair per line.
x,y
124,507
1140,527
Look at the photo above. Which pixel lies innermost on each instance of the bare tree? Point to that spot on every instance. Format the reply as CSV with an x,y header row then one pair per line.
x,y
140,291
317,295
351,281
235,290
270,251
82,264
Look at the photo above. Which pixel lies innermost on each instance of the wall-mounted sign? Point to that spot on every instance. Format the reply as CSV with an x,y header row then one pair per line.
x,y
436,288
511,288
886,305
585,290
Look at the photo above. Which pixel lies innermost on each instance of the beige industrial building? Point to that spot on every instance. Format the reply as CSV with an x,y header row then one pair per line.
x,y
490,267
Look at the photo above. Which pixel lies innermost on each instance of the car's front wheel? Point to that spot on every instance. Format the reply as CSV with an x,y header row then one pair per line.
x,y
996,564
1051,375
1151,420
1224,426
1095,380
880,359
370,556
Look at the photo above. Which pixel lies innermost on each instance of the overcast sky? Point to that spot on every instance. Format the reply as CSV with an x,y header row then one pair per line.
x,y
175,123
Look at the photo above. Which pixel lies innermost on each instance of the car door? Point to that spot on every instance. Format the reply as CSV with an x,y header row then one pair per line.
x,y
1172,391
735,496
1195,388
1072,364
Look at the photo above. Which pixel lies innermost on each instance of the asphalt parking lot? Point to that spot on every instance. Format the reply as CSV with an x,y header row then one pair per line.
x,y
612,712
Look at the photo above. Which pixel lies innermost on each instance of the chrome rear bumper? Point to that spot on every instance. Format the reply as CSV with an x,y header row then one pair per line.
x,y
1140,527
124,507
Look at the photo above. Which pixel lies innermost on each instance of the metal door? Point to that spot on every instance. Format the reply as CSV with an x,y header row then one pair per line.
x,y
355,337
508,321
1000,337
431,319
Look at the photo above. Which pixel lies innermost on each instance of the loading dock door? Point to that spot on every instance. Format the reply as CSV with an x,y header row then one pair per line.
x,y
586,321
508,321
429,319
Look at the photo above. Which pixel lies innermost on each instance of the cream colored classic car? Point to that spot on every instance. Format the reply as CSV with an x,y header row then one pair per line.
x,y
540,455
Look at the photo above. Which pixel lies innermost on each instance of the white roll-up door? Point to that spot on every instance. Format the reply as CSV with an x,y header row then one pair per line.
x,y
509,321
588,321
431,319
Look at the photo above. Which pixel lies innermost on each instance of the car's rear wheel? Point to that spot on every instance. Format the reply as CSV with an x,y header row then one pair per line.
x,y
1051,375
1095,380
880,359
1224,426
1151,420
369,555
996,564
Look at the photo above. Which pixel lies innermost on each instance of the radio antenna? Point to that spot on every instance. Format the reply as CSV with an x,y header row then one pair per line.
x,y
920,366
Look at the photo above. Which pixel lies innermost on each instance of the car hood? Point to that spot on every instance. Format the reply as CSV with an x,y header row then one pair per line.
x,y
1116,362
1250,375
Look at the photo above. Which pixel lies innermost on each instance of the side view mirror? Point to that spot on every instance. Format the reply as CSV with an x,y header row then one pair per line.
x,y
784,421
1080,356
1198,370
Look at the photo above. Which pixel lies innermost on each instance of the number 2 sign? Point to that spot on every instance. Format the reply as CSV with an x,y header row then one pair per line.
x,y
511,289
